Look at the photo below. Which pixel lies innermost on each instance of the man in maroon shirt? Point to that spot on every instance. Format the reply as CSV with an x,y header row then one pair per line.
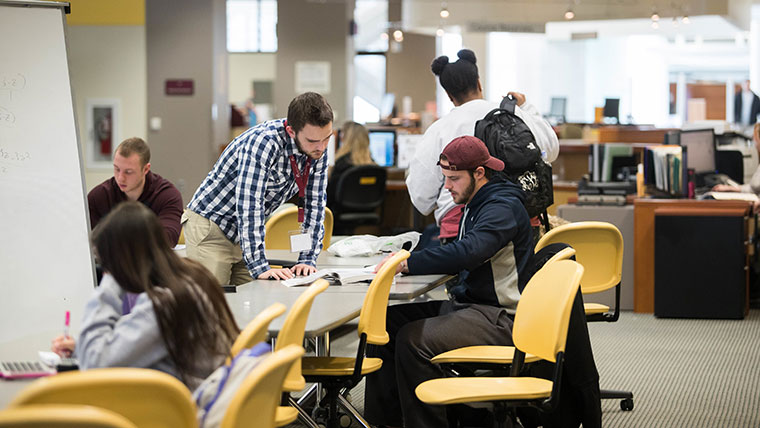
x,y
132,180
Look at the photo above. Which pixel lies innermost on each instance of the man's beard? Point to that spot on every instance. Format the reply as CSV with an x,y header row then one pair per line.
x,y
304,152
464,197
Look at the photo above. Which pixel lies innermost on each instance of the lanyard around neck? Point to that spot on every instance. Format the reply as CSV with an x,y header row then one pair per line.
x,y
302,178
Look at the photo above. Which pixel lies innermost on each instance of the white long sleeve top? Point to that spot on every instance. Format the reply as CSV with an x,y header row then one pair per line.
x,y
425,180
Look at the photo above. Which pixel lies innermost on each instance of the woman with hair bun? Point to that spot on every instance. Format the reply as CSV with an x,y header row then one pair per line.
x,y
461,82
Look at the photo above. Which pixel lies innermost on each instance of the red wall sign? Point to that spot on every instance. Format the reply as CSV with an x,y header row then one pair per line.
x,y
179,87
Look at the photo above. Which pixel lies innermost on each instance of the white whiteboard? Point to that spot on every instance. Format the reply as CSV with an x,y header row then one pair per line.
x,y
47,267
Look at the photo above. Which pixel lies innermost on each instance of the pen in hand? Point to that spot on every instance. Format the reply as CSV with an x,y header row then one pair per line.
x,y
66,325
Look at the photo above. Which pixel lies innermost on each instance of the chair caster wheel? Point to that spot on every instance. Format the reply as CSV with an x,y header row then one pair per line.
x,y
626,405
319,414
344,420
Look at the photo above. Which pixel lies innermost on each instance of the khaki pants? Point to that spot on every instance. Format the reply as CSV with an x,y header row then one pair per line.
x,y
207,244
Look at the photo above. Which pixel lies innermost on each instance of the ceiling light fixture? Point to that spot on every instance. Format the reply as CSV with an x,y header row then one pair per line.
x,y
686,20
439,32
569,14
655,16
398,36
444,11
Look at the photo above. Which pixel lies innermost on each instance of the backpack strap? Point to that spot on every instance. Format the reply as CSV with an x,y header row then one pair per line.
x,y
508,103
544,217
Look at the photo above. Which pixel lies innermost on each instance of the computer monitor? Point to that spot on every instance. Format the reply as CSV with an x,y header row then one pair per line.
x,y
612,108
700,150
558,108
623,167
382,146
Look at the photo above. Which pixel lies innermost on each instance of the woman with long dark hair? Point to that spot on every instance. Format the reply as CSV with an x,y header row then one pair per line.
x,y
180,323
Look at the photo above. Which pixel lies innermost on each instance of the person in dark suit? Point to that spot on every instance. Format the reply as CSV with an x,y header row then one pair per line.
x,y
746,106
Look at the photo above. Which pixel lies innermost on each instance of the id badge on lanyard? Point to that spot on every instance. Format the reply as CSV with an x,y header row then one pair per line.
x,y
300,241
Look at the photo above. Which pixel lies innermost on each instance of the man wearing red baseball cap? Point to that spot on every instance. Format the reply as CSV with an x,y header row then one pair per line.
x,y
491,256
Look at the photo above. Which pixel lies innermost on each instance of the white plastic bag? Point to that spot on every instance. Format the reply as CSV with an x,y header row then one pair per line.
x,y
368,245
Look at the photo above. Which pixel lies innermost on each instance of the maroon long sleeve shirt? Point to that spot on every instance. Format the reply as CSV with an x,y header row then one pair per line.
x,y
159,194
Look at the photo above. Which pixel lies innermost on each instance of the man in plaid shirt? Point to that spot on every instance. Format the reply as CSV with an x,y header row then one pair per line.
x,y
260,170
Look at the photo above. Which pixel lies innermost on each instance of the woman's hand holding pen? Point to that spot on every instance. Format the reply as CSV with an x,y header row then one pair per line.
x,y
63,346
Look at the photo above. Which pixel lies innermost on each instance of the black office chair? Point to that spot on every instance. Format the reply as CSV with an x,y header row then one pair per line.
x,y
731,163
358,194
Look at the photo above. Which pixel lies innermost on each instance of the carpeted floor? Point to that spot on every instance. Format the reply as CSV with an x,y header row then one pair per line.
x,y
683,373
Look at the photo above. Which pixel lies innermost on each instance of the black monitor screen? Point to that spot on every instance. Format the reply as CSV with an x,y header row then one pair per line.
x,y
382,146
700,150
612,107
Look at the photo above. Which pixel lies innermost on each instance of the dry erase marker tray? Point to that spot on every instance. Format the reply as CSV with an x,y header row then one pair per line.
x,y
24,369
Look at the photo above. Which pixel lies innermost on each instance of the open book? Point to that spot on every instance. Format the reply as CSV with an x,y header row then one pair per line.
x,y
335,276
727,196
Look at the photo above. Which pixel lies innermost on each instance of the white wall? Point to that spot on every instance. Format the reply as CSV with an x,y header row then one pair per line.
x,y
244,69
635,69
109,62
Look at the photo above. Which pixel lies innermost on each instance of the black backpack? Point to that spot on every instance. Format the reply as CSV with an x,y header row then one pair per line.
x,y
508,138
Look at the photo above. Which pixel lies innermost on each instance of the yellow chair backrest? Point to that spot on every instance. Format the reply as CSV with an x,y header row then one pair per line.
x,y
543,312
563,254
148,398
255,403
276,229
374,308
62,416
293,328
598,247
256,330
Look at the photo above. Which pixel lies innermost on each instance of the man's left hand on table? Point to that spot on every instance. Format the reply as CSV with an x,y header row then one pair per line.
x,y
303,269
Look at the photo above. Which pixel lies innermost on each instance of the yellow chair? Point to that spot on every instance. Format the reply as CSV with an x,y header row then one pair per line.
x,y
540,327
336,373
486,356
292,333
256,330
256,402
599,248
148,398
276,229
62,416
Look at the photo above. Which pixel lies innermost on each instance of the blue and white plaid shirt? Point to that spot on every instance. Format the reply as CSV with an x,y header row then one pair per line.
x,y
250,180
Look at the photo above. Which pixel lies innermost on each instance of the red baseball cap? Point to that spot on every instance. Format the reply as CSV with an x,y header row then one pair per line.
x,y
467,153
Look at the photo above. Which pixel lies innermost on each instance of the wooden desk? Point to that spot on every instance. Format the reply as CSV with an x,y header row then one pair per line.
x,y
644,233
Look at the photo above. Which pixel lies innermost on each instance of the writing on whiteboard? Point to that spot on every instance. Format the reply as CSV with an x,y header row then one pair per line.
x,y
12,158
7,118
11,83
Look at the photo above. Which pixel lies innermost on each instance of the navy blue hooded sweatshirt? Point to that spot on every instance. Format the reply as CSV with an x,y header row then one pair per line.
x,y
494,245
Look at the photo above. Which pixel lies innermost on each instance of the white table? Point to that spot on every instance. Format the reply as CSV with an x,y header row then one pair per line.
x,y
23,349
331,309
